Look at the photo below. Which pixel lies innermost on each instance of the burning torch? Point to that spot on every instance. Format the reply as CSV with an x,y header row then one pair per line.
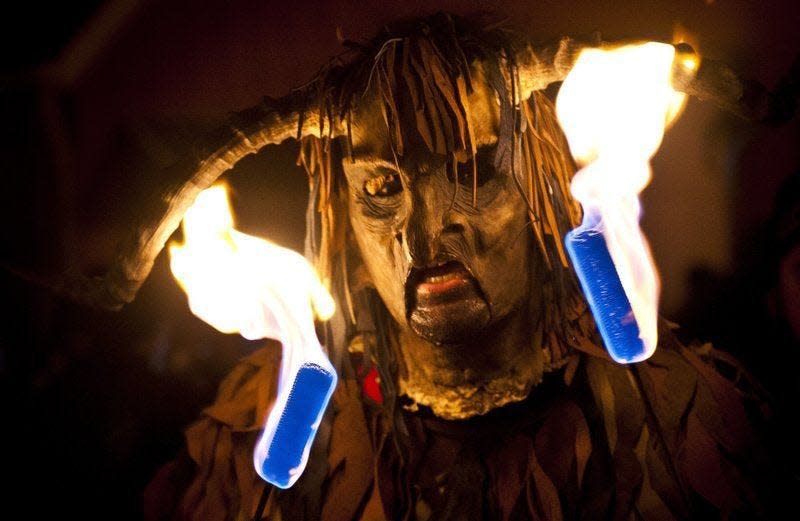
x,y
613,107
243,284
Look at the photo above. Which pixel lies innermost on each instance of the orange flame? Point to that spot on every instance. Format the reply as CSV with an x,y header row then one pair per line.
x,y
243,284
614,107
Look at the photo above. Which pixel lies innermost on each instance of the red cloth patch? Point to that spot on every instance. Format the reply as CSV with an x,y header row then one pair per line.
x,y
370,384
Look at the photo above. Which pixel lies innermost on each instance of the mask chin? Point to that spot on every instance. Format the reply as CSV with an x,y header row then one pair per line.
x,y
455,316
455,326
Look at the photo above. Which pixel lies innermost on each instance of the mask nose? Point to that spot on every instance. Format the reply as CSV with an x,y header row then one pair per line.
x,y
429,219
420,245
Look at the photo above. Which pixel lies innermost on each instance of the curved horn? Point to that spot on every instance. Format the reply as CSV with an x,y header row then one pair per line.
x,y
539,68
245,133
713,80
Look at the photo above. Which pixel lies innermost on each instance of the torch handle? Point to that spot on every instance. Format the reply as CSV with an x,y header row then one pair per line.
x,y
299,417
606,297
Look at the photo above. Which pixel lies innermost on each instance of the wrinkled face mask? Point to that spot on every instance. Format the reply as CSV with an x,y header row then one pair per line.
x,y
443,228
447,266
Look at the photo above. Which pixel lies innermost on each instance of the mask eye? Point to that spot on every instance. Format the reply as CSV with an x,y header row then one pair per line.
x,y
383,185
484,166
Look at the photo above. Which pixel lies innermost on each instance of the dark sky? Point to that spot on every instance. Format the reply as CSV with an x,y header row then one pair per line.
x,y
31,34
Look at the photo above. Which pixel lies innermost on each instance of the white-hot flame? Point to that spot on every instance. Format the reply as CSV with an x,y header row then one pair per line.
x,y
613,107
243,284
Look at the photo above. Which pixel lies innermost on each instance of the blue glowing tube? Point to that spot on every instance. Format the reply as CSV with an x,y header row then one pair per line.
x,y
606,296
287,450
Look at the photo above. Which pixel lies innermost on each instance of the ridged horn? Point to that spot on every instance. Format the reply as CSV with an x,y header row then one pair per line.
x,y
245,133
714,81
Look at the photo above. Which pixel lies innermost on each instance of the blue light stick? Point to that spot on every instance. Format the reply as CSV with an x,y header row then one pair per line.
x,y
299,412
604,292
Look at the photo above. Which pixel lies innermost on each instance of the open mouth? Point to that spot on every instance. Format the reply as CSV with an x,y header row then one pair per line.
x,y
445,303
440,285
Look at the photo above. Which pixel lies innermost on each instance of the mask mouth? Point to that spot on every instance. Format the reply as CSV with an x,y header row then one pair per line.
x,y
441,284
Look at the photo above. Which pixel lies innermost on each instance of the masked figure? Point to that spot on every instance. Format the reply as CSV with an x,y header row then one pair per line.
x,y
473,384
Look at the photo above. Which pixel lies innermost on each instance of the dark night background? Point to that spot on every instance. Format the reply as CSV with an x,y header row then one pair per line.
x,y
97,97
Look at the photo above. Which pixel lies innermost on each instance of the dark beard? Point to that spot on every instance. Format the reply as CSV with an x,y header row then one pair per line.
x,y
455,322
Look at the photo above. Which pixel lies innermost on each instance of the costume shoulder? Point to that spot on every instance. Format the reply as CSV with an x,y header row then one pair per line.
x,y
683,429
214,479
